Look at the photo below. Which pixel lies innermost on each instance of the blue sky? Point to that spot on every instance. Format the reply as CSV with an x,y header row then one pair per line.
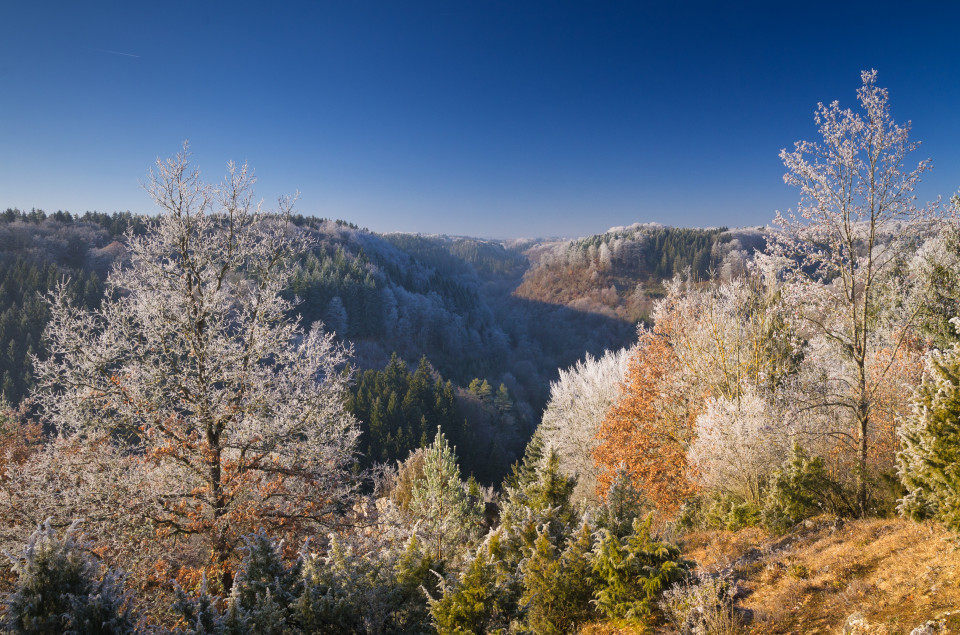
x,y
489,118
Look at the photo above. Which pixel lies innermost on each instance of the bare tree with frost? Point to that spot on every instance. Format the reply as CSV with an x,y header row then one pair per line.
x,y
194,365
841,249
738,444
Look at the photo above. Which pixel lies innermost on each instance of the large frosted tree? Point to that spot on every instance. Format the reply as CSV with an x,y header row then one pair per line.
x,y
842,251
193,365
579,401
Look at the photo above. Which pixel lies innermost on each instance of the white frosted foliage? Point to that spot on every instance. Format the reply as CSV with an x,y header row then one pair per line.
x,y
194,363
579,401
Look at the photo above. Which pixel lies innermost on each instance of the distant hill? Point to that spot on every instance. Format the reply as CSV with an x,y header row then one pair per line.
x,y
620,273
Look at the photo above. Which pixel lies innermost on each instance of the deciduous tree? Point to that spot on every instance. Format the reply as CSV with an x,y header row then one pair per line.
x,y
193,364
649,430
838,251
579,401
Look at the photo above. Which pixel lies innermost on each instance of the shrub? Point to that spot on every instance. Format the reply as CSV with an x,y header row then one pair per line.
x,y
60,589
717,511
703,605
801,489
634,571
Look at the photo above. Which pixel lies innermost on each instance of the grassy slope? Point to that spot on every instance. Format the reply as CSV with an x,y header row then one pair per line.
x,y
896,573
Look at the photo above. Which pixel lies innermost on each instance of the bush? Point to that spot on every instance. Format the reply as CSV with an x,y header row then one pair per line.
x,y
801,489
742,514
60,589
703,605
718,512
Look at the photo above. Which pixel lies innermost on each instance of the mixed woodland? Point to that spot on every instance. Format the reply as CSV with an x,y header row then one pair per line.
x,y
218,419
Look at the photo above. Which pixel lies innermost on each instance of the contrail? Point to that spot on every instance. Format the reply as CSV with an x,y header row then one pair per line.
x,y
116,53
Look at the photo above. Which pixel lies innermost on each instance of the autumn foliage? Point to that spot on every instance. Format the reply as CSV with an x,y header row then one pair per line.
x,y
649,430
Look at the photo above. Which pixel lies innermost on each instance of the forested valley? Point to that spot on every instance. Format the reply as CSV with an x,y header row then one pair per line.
x,y
218,419
445,306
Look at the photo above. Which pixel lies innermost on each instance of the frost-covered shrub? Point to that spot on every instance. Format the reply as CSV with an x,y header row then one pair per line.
x,y
370,581
360,586
737,445
624,502
703,605
60,588
538,524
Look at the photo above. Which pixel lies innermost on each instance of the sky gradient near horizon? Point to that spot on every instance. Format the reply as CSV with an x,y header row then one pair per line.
x,y
495,118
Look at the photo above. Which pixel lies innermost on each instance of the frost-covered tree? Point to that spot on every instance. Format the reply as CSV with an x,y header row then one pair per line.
x,y
484,598
738,443
649,430
728,337
579,400
193,364
840,249
448,517
929,461
936,269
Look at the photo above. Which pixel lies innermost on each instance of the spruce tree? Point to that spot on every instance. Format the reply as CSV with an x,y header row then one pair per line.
x,y
929,461
558,586
634,571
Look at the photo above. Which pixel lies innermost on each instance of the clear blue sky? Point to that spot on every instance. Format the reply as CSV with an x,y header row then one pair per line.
x,y
486,118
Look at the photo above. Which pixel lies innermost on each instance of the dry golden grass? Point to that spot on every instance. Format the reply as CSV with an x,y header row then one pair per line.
x,y
607,628
896,573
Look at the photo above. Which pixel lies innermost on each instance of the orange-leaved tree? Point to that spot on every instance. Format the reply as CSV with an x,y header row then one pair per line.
x,y
650,429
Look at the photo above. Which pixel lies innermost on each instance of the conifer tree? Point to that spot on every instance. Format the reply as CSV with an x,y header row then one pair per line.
x,y
60,589
264,590
485,597
558,586
929,461
633,571
447,515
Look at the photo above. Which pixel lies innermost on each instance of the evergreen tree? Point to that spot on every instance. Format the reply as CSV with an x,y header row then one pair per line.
x,y
558,587
633,571
929,461
484,598
440,503
60,589
264,589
